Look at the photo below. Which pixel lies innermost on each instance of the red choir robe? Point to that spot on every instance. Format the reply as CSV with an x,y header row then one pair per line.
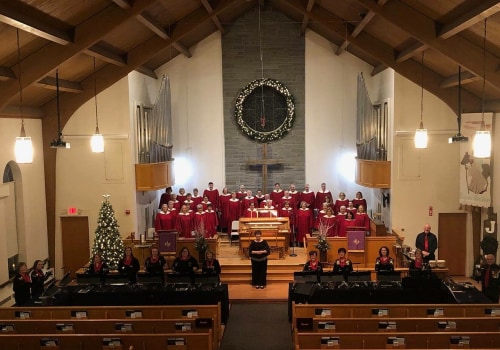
x,y
165,197
249,213
353,211
245,202
362,220
288,199
240,195
268,204
321,198
211,223
321,213
309,198
196,200
174,213
234,211
296,197
344,224
199,220
303,222
213,196
184,224
177,205
190,204
290,214
164,221
224,209
260,198
339,203
358,202
276,196
330,224
205,205
181,198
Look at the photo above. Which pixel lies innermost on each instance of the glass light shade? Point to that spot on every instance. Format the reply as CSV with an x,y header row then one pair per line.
x,y
97,143
421,138
24,150
482,144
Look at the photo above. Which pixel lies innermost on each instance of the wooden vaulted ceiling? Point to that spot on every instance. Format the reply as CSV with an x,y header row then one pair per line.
x,y
142,35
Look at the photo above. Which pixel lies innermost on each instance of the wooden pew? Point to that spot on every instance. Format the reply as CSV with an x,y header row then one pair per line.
x,y
381,340
192,341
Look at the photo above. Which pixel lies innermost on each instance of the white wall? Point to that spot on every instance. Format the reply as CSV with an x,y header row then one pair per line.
x,y
197,115
32,225
331,93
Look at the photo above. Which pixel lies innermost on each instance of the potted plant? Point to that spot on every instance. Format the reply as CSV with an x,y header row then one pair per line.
x,y
200,243
322,244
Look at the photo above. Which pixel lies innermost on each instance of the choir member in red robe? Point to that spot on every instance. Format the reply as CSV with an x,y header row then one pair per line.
x,y
344,224
211,222
321,195
234,209
251,211
165,197
242,192
260,197
287,198
176,203
295,194
164,220
189,202
341,201
359,200
276,194
267,202
268,210
320,214
351,208
304,222
181,197
328,224
362,219
224,208
196,198
184,222
249,199
199,219
213,195
173,211
307,196
205,202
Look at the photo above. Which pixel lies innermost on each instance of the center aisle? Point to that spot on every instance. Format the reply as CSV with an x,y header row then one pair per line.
x,y
259,326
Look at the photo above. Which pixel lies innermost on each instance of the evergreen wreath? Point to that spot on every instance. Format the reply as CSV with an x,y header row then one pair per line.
x,y
262,136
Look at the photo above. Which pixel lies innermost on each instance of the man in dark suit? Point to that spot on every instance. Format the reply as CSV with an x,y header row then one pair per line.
x,y
490,279
427,242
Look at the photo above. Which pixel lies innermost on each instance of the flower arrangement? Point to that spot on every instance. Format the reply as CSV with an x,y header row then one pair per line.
x,y
200,243
323,244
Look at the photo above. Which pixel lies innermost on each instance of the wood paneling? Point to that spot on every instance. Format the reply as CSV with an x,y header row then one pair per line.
x,y
373,174
452,241
153,176
75,242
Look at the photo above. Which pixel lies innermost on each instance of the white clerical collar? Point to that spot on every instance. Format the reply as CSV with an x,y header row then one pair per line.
x,y
325,191
234,200
306,192
293,192
248,198
200,213
277,191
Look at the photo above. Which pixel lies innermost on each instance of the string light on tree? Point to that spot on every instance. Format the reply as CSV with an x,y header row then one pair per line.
x,y
108,241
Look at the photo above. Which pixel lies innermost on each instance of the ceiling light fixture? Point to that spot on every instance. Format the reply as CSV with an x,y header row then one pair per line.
x,y
459,137
421,137
482,140
59,142
24,147
97,140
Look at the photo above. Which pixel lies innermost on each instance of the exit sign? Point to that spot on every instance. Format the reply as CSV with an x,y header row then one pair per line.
x,y
72,211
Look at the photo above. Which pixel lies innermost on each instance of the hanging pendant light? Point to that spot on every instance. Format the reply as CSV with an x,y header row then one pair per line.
x,y
97,141
482,140
59,142
24,147
421,137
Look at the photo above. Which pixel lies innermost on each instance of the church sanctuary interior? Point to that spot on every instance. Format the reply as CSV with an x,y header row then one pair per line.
x,y
106,104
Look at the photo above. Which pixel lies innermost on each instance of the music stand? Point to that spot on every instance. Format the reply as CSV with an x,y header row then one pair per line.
x,y
206,279
359,276
391,276
178,278
144,277
305,277
89,278
326,277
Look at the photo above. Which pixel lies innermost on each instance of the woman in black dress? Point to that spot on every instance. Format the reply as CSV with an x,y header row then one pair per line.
x,y
38,278
22,284
155,264
211,265
185,264
129,265
258,252
384,262
313,264
342,264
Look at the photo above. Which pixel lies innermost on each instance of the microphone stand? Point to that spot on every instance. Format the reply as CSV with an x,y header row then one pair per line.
x,y
293,254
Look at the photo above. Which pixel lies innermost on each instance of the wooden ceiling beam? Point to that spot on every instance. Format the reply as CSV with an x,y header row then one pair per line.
x,y
452,80
14,111
6,74
359,28
147,71
162,33
106,56
124,4
215,19
484,9
29,19
411,51
39,64
379,69
380,51
64,85
460,50
305,18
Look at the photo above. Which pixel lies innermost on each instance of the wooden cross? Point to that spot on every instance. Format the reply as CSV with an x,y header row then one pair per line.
x,y
264,162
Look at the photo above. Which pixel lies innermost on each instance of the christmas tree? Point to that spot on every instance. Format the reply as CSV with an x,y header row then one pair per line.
x,y
108,241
